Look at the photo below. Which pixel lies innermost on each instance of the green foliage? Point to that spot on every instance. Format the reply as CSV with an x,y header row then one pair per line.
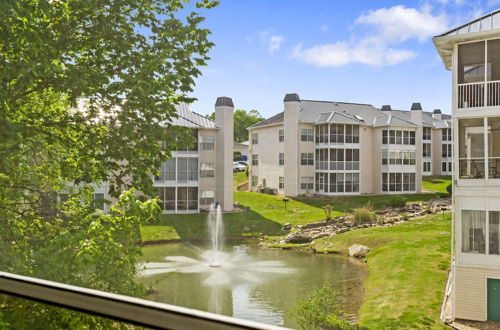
x,y
236,155
320,310
242,120
85,84
404,216
246,171
362,215
415,252
449,189
328,211
398,201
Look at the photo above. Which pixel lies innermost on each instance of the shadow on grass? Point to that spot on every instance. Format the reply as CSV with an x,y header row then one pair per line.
x,y
237,224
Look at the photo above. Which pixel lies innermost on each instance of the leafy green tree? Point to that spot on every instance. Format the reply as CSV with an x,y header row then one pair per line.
x,y
242,120
320,310
85,85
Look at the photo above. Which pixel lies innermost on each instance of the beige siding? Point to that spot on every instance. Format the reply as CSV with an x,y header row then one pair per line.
x,y
267,149
470,292
306,147
436,151
369,166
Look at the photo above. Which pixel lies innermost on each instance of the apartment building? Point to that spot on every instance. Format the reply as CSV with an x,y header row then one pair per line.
x,y
472,53
200,175
339,148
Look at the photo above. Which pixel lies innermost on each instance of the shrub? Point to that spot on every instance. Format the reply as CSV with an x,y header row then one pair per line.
x,y
449,189
405,217
362,215
328,211
398,201
320,310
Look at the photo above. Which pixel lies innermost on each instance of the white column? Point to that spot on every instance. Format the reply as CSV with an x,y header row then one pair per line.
x,y
292,135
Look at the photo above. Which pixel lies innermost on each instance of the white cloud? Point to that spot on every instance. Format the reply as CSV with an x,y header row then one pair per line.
x,y
273,42
398,23
386,28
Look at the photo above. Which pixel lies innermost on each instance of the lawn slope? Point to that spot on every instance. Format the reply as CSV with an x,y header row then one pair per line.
x,y
407,271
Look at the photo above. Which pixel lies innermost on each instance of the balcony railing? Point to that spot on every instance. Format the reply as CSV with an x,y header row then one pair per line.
x,y
337,165
480,94
471,168
118,307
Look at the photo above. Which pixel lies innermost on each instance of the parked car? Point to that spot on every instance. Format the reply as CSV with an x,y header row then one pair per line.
x,y
243,162
237,167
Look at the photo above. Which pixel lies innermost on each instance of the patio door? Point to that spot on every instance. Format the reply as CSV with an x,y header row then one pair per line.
x,y
493,299
321,183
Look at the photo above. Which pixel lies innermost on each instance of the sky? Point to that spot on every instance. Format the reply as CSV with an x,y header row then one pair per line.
x,y
375,52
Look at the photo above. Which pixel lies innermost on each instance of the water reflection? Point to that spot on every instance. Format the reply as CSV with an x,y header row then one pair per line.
x,y
255,284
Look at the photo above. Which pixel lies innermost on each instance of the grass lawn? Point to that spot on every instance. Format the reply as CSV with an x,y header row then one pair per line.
x,y
407,271
436,183
239,178
268,214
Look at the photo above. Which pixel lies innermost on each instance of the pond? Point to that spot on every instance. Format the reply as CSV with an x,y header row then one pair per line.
x,y
250,283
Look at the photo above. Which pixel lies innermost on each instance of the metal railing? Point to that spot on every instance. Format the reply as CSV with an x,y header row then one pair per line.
x,y
474,95
118,307
471,168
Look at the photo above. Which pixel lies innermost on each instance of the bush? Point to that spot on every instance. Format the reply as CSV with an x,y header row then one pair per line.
x,y
362,215
398,201
320,310
449,189
328,211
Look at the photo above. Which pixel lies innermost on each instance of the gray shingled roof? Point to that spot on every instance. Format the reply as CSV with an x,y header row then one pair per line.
x,y
351,113
188,118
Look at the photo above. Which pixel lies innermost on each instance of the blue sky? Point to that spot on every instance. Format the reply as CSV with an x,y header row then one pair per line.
x,y
376,52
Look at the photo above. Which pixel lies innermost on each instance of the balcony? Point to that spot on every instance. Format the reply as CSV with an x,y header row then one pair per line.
x,y
480,94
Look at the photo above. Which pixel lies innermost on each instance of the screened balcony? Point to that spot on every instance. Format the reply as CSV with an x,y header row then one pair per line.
x,y
479,148
478,82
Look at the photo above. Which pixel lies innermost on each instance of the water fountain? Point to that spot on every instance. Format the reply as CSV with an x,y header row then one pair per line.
x,y
216,232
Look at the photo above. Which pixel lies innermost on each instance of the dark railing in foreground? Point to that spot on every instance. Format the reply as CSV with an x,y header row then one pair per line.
x,y
118,307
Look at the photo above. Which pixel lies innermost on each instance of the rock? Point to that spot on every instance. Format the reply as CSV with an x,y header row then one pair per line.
x,y
321,235
287,226
298,238
358,250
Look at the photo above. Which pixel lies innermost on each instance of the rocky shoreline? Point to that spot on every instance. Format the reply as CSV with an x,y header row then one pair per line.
x,y
307,233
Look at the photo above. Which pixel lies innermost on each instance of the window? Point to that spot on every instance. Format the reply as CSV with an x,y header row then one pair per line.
x,y
322,159
399,137
337,133
306,134
187,198
337,182
207,170
494,231
351,182
474,231
167,198
170,167
449,167
427,166
426,133
446,150
471,146
412,138
281,135
493,146
443,166
207,142
255,180
385,156
322,133
385,134
207,197
307,183
99,201
392,137
255,138
406,137
426,150
187,169
352,159
281,182
281,159
336,159
307,158
255,160
351,134
396,182
446,134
